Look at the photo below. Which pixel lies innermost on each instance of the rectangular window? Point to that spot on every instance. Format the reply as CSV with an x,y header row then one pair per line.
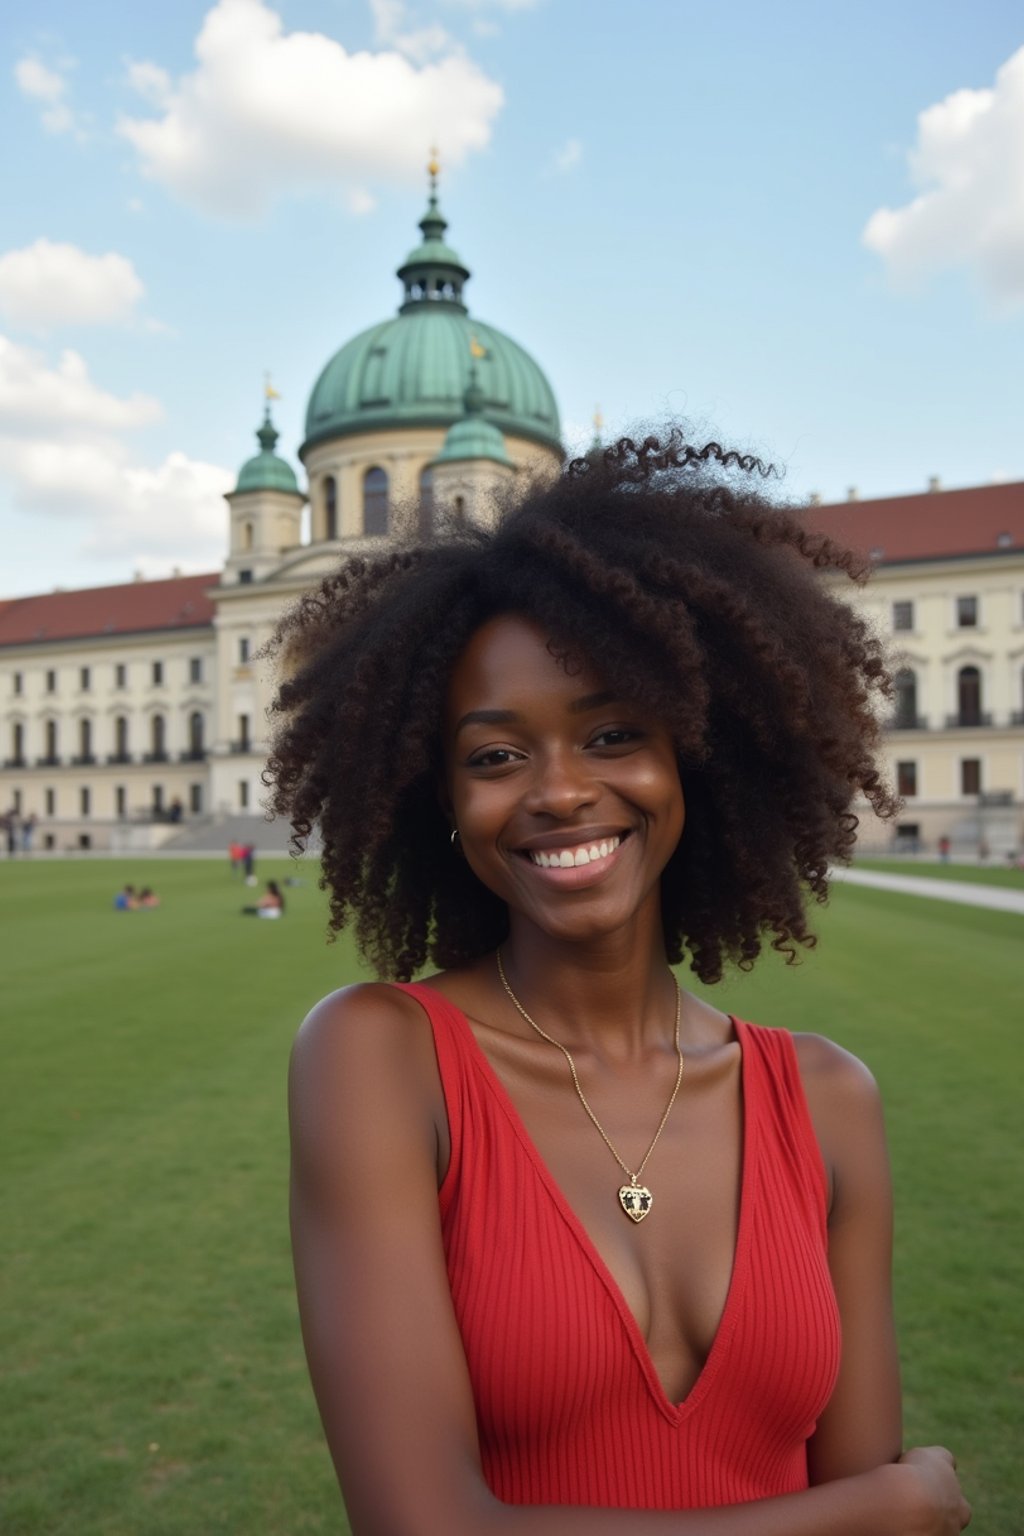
x,y
245,578
195,669
17,682
195,799
243,794
51,802
243,650
906,779
158,799
51,681
120,675
243,733
17,802
903,615
967,613
121,802
158,673
84,679
970,776
85,801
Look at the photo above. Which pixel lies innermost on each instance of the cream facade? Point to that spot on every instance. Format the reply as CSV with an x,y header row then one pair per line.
x,y
103,736
954,742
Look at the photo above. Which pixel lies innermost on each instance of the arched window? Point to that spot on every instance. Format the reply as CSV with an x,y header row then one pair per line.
x,y
330,507
246,537
426,518
51,741
195,734
905,683
375,501
158,737
968,696
85,739
121,737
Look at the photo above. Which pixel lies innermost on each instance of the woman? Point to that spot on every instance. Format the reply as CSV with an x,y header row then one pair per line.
x,y
270,904
577,1252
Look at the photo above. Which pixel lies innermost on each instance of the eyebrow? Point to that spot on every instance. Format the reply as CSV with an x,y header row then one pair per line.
x,y
579,706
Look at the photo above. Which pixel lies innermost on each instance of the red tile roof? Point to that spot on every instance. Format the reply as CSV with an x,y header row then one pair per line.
x,y
92,612
934,525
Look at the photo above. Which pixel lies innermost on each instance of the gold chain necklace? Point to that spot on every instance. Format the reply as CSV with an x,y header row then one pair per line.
x,y
635,1198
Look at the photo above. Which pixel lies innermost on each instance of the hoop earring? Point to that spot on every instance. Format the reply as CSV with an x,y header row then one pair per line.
x,y
454,837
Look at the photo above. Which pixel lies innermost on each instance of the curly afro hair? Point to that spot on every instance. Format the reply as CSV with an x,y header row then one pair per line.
x,y
665,569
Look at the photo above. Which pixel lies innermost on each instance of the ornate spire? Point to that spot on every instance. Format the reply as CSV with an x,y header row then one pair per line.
x,y
268,433
433,273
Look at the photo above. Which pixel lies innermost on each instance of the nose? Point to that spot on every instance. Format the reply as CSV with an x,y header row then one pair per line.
x,y
561,785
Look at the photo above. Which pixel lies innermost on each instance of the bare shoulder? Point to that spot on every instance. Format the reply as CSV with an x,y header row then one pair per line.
x,y
846,1112
368,1015
363,1058
833,1076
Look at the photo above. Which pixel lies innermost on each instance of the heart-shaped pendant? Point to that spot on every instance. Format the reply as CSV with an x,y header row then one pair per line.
x,y
636,1200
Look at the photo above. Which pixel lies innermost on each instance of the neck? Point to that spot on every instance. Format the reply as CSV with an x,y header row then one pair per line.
x,y
614,995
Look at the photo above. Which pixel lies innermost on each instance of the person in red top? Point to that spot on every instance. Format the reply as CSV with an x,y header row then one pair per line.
x,y
576,1251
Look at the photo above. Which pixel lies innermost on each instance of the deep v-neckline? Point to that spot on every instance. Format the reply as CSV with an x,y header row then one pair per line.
x,y
674,1412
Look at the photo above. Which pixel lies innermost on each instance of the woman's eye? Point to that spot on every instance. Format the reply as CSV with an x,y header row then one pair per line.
x,y
494,757
619,736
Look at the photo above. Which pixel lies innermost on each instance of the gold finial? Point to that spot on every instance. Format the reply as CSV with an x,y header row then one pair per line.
x,y
269,392
475,349
433,169
598,421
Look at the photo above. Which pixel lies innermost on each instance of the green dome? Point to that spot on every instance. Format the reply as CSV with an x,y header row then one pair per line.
x,y
413,370
267,472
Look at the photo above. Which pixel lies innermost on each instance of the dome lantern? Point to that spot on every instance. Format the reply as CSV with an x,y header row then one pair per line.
x,y
433,273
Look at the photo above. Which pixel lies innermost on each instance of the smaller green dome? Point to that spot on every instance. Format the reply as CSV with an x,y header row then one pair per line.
x,y
473,436
267,471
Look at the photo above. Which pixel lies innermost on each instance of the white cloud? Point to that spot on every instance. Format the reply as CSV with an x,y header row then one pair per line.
x,y
48,87
63,455
36,397
48,284
568,157
494,5
394,29
969,164
267,113
149,516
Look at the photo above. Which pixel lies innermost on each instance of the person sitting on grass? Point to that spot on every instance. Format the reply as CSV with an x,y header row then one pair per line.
x,y
148,898
270,904
126,900
578,1253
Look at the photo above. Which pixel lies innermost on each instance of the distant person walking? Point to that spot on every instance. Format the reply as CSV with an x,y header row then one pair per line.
x,y
10,826
249,862
28,828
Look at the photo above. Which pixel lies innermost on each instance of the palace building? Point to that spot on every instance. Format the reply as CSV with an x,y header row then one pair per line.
x,y
134,713
131,710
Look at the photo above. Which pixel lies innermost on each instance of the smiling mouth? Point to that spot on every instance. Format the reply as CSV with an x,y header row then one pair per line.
x,y
574,855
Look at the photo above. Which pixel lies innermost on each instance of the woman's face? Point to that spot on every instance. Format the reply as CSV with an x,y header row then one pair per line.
x,y
567,798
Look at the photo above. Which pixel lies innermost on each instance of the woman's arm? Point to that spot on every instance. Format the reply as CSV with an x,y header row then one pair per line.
x,y
384,1350
862,1426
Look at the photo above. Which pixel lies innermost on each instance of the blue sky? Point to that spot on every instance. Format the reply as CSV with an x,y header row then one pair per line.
x,y
800,226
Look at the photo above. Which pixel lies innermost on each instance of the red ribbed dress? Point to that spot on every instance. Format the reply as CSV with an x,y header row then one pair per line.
x,y
569,1406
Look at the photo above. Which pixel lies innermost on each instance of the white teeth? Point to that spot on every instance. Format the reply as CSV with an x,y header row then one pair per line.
x,y
568,858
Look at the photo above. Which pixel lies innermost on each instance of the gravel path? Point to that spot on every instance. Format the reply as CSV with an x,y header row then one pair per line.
x,y
995,896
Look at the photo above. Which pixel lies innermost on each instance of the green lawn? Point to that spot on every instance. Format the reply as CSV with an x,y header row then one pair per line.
x,y
151,1374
